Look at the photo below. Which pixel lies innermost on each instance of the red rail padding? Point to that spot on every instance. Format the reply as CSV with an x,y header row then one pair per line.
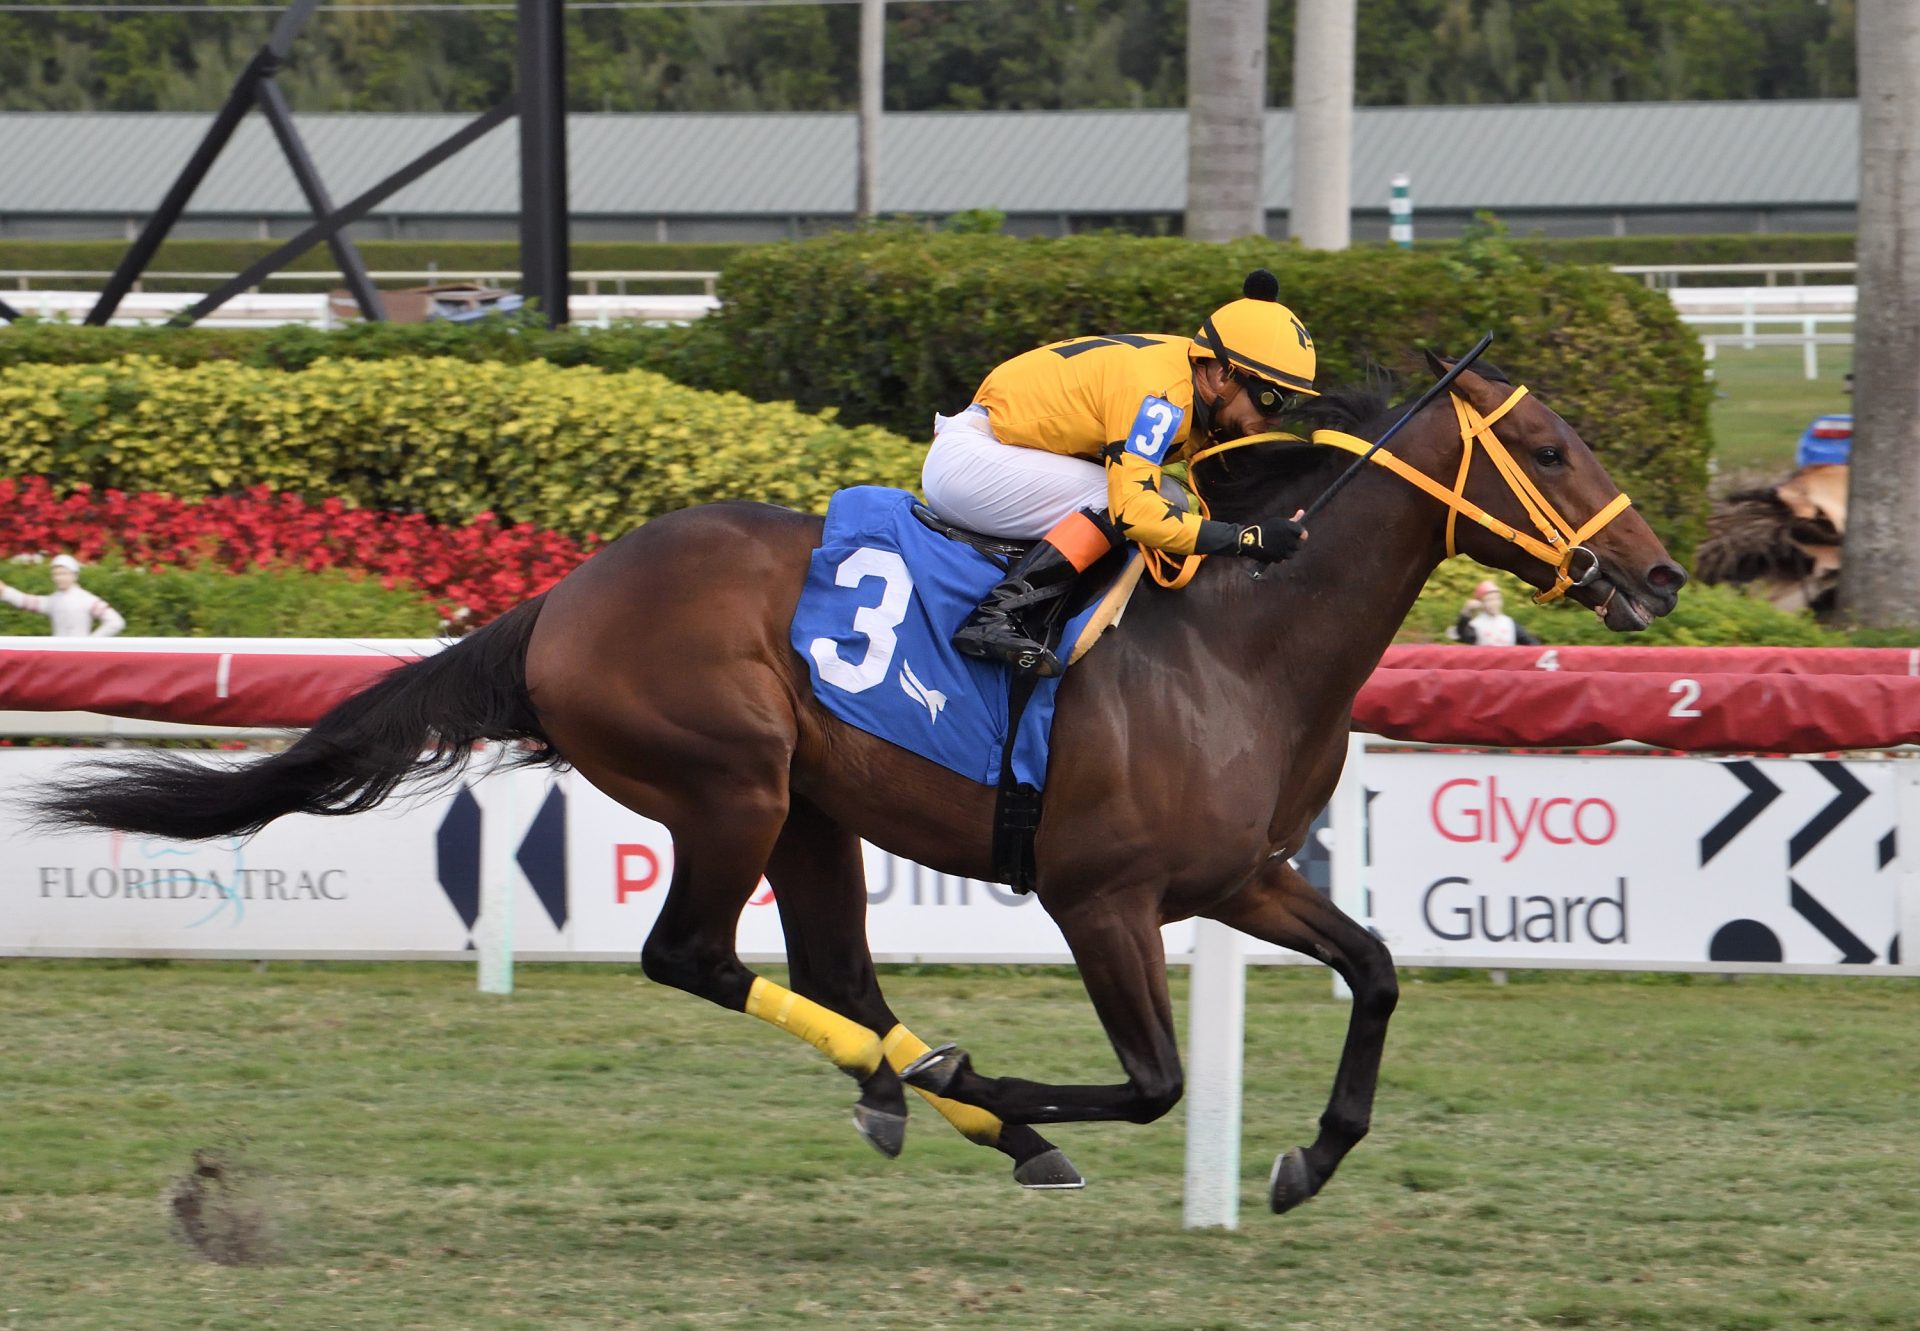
x,y
1662,660
1776,713
200,688
1768,700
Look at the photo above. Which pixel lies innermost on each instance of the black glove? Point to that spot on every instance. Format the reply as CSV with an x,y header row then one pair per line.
x,y
1268,542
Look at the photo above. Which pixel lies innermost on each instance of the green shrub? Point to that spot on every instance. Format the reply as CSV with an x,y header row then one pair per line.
x,y
890,326
513,339
578,450
209,602
1718,616
1750,247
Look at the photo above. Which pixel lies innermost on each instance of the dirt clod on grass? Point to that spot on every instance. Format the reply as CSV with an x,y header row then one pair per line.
x,y
213,1213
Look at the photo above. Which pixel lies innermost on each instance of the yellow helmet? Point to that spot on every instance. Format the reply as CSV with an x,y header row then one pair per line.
x,y
1259,336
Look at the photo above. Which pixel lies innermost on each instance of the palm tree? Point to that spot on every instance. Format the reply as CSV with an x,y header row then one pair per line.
x,y
1226,107
1880,572
1319,212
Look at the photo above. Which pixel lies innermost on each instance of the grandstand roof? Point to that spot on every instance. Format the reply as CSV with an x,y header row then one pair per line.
x,y
1608,156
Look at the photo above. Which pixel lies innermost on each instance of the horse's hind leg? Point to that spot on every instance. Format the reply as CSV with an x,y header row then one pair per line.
x,y
1116,942
1280,906
819,884
720,847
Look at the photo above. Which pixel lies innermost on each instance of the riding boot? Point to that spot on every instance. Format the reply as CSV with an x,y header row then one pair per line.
x,y
998,629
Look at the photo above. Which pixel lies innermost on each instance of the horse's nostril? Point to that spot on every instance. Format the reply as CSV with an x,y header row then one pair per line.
x,y
1667,577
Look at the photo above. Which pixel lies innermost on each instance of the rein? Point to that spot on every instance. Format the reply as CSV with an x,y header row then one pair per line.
x,y
1562,542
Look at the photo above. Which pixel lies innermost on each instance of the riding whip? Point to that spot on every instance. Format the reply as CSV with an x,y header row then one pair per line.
x,y
1445,382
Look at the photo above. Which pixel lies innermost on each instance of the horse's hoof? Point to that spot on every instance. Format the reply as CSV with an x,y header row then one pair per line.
x,y
885,1133
1291,1181
936,1069
1049,1169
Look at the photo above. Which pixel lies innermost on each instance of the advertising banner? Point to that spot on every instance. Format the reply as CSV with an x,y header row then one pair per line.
x,y
1483,859
402,880
1638,861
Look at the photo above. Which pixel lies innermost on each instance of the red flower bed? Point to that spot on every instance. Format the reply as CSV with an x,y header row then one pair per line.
x,y
470,573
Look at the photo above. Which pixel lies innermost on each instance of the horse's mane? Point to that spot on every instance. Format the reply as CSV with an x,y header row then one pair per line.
x,y
1245,484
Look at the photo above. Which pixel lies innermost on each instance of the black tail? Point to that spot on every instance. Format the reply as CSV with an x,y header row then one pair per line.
x,y
420,722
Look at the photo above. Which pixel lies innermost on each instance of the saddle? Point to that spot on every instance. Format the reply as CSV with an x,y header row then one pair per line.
x,y
1114,589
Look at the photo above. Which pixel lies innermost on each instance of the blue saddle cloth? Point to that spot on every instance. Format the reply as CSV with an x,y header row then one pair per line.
x,y
884,594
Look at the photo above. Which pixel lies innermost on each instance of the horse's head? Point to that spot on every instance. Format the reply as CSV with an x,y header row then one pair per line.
x,y
1545,477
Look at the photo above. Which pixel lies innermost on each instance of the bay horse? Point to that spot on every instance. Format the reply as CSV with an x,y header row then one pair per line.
x,y
1190,752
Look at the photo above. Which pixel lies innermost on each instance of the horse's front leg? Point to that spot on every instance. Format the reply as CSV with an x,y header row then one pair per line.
x,y
1279,906
1116,942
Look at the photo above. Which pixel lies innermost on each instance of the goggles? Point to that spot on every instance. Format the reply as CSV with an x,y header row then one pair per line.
x,y
1269,399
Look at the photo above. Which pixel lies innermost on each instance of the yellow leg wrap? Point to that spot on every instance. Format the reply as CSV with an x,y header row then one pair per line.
x,y
901,1047
850,1045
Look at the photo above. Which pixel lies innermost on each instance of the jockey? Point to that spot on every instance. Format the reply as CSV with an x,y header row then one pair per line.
x,y
1066,443
74,611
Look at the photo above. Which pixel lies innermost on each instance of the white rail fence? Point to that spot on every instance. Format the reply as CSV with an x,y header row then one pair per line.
x,y
609,294
1454,858
1809,316
1662,275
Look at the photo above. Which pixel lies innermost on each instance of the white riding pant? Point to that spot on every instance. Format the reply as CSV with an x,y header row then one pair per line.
x,y
973,479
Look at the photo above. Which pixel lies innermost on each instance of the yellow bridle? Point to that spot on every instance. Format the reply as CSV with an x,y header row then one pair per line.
x,y
1563,541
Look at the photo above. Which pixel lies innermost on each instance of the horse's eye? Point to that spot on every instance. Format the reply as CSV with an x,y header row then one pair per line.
x,y
1549,457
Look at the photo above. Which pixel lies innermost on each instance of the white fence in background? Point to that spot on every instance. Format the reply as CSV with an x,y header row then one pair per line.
x,y
31,279
1813,315
313,310
1627,861
1622,862
49,294
1662,275
1810,317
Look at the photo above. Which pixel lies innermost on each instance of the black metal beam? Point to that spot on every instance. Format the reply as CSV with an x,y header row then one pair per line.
x,y
273,105
259,70
348,213
544,266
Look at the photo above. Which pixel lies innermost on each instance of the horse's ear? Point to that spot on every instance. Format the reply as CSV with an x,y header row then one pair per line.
x,y
1435,363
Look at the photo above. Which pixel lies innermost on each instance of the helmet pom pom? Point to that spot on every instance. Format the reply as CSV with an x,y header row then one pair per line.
x,y
1261,285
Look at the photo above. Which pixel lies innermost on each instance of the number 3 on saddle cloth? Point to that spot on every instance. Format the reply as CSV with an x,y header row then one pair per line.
x,y
884,594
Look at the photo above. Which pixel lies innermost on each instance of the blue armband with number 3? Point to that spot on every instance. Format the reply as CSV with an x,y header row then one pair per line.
x,y
1154,429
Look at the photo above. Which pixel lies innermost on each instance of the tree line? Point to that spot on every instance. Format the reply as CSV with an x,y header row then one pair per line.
x,y
974,55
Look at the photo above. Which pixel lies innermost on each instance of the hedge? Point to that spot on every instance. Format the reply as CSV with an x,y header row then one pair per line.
x,y
230,256
1751,247
212,602
1720,616
891,326
578,451
515,338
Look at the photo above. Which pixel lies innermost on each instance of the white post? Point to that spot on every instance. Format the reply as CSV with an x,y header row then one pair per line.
x,y
1746,321
1906,784
493,931
1810,353
1400,212
1348,815
1216,1034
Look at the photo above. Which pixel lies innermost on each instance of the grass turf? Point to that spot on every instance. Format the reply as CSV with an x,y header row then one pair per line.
x,y
1763,400
597,1152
